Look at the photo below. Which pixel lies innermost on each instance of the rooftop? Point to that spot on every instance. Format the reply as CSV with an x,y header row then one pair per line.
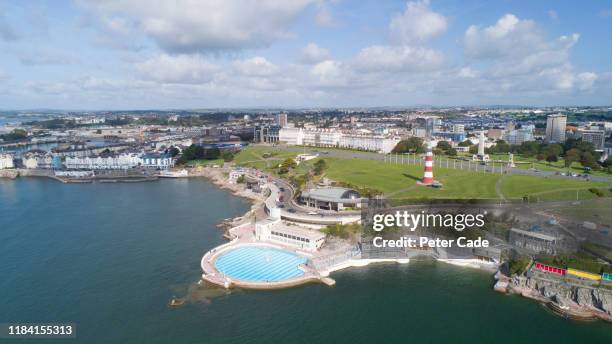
x,y
332,194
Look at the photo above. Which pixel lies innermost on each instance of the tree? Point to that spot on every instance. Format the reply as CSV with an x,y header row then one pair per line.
x,y
473,149
540,156
173,151
551,158
452,152
501,147
319,166
554,149
227,156
465,143
571,156
588,160
288,164
212,153
411,145
444,145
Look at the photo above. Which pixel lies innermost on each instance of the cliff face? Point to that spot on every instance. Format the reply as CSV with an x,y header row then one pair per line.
x,y
561,294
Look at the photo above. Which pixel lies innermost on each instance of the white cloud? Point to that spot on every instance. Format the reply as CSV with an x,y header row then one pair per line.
x,y
256,66
324,17
398,59
179,69
417,24
586,80
184,26
519,57
312,53
467,72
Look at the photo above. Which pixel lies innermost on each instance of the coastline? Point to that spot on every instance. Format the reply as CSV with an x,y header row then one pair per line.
x,y
574,311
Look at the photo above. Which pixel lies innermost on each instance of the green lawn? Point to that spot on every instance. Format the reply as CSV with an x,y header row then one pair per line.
x,y
399,181
516,186
262,158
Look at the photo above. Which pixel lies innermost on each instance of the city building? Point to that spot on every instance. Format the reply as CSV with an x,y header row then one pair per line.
x,y
158,161
518,136
496,134
596,137
555,128
533,241
274,230
375,143
103,162
6,161
453,136
332,198
37,159
266,134
334,138
458,128
281,119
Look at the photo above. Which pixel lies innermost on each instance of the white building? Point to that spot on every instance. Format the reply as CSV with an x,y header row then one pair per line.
x,y
159,161
34,160
274,230
555,128
335,138
108,162
596,137
375,143
518,136
6,161
281,120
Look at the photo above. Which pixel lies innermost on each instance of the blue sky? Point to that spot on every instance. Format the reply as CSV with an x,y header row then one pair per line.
x,y
144,54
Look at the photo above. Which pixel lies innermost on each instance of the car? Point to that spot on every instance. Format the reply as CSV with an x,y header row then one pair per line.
x,y
291,210
281,188
313,213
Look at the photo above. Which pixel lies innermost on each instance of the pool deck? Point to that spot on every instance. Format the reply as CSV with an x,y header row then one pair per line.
x,y
214,276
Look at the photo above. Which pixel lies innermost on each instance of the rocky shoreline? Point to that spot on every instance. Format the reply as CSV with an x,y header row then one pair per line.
x,y
218,176
578,303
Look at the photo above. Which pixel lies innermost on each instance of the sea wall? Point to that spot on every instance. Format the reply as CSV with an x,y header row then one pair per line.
x,y
9,173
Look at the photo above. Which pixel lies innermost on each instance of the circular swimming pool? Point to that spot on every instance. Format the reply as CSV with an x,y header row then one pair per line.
x,y
260,264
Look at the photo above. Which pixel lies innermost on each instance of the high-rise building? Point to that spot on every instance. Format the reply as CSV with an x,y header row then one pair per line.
x,y
596,137
281,119
555,128
518,136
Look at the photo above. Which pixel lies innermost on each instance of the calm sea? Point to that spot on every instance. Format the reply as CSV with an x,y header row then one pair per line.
x,y
109,257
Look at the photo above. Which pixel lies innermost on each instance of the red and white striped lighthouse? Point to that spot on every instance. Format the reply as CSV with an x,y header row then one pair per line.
x,y
428,175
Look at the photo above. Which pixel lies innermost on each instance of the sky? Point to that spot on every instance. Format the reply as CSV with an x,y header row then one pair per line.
x,y
188,54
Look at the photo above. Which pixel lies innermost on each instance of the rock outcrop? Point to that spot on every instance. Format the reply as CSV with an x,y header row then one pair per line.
x,y
597,301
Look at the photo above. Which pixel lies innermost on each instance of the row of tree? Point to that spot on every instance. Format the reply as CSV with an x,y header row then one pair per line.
x,y
197,152
572,150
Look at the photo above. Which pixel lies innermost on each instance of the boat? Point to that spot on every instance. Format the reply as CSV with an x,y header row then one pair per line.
x,y
174,174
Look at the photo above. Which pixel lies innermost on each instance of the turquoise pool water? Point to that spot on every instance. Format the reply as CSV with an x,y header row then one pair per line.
x,y
260,264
